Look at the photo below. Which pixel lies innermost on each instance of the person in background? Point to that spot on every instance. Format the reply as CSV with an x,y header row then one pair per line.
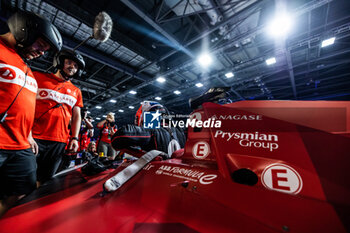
x,y
58,103
107,129
86,131
26,37
92,149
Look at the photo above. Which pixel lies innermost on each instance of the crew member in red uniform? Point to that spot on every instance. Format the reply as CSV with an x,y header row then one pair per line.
x,y
86,132
28,37
107,129
58,103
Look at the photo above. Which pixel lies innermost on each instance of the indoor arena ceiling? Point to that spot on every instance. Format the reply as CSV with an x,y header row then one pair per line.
x,y
153,38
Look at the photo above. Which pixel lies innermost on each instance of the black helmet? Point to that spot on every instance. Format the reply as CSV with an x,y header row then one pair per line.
x,y
58,61
27,27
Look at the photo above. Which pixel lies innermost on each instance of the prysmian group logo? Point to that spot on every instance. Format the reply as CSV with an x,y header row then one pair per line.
x,y
151,120
256,139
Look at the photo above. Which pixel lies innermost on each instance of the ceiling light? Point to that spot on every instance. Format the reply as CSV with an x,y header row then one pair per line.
x,y
205,60
199,85
88,112
328,42
104,116
158,98
161,79
131,107
120,110
229,75
97,118
113,101
133,92
177,92
98,107
270,61
280,25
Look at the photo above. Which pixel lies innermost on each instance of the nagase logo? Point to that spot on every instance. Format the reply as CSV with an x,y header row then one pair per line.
x,y
151,120
257,140
282,178
238,117
7,73
43,93
188,174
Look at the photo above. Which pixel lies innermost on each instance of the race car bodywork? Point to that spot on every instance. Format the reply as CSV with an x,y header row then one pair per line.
x,y
262,166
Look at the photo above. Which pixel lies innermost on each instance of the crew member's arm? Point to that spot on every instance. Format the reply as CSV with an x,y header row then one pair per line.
x,y
75,127
88,124
33,145
101,123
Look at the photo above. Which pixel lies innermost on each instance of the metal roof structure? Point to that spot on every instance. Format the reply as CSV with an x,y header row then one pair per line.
x,y
153,38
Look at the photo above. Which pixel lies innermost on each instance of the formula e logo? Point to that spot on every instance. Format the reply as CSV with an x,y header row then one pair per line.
x,y
201,150
151,120
7,73
282,178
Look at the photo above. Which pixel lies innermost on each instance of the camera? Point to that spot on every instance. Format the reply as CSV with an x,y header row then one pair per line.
x,y
109,123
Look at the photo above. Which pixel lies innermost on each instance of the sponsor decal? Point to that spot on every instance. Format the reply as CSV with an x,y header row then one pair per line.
x,y
56,96
238,117
201,150
196,116
69,91
282,178
151,120
188,174
13,75
207,179
256,139
148,167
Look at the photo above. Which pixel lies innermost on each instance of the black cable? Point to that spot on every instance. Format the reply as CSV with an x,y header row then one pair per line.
x,y
4,115
56,106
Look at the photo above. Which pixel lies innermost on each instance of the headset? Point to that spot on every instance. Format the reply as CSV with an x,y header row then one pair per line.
x,y
58,62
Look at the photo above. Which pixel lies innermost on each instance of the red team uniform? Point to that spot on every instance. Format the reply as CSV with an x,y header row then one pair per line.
x,y
17,161
55,101
21,114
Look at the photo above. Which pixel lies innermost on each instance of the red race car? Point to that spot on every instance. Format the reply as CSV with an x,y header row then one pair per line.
x,y
250,166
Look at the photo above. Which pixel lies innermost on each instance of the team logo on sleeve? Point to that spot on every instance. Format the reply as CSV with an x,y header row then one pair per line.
x,y
43,93
151,120
7,73
13,75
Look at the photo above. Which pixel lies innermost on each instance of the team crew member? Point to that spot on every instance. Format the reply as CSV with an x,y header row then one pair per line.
x,y
107,129
58,103
28,37
86,133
